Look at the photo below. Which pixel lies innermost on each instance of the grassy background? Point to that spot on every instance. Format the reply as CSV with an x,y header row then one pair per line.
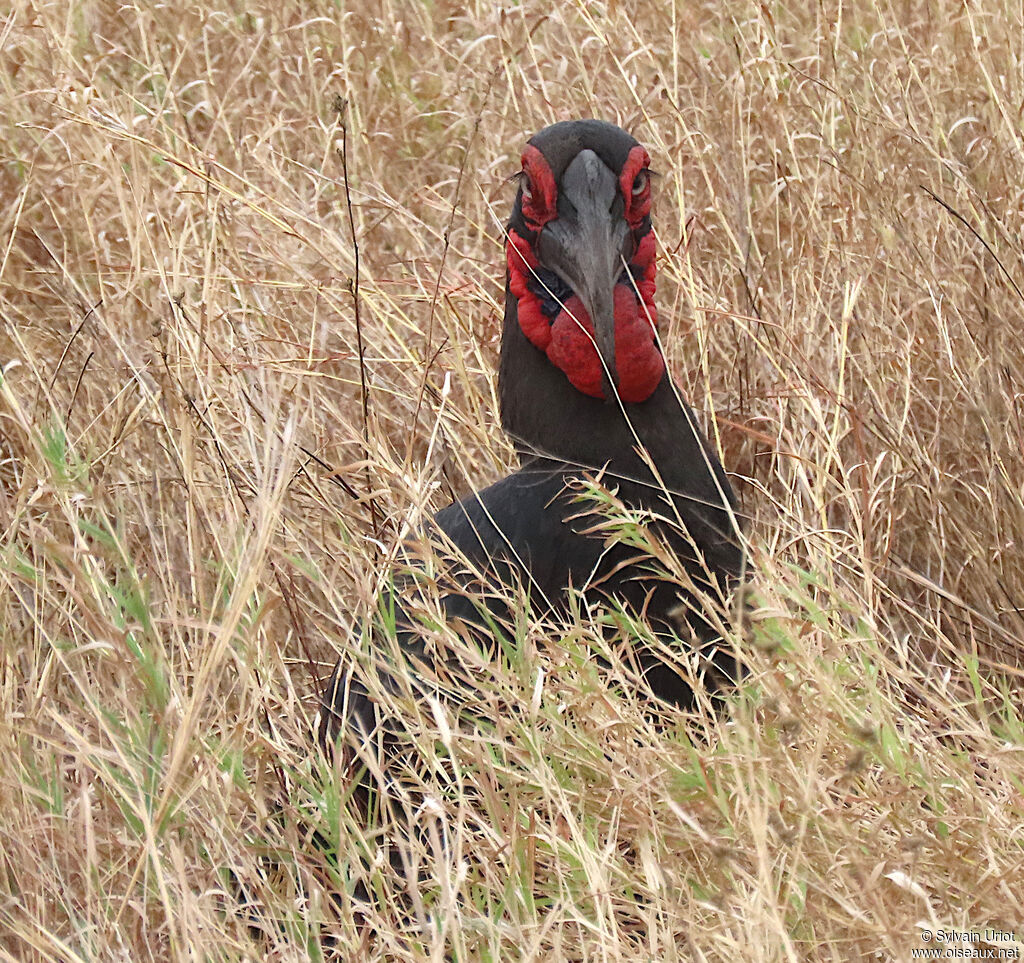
x,y
839,213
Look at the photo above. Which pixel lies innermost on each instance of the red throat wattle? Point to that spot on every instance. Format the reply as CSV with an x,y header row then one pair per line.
x,y
568,338
638,362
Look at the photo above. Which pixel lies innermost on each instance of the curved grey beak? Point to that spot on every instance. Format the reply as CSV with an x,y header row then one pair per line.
x,y
585,246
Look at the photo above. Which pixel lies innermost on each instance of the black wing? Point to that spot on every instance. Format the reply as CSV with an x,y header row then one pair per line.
x,y
518,534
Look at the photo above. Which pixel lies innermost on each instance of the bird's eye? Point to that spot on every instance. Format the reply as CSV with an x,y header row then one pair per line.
x,y
527,187
640,182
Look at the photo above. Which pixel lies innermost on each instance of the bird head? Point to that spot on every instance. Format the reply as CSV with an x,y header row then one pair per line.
x,y
580,254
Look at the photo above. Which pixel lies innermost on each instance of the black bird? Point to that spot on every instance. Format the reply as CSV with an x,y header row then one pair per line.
x,y
584,391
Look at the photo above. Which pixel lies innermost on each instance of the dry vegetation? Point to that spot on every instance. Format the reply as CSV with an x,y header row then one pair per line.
x,y
193,524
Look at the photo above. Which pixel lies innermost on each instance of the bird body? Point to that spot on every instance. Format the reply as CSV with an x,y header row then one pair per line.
x,y
584,391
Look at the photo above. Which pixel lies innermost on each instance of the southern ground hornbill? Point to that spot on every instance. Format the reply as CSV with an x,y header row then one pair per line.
x,y
584,392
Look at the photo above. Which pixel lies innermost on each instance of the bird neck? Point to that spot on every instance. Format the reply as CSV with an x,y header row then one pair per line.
x,y
551,422
547,417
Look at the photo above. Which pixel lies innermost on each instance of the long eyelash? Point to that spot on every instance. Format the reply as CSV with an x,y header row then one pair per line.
x,y
518,177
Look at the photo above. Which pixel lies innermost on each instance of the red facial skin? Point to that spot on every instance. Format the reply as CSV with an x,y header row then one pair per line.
x,y
568,340
540,192
638,202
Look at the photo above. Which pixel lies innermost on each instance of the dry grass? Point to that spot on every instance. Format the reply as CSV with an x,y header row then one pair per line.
x,y
177,571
